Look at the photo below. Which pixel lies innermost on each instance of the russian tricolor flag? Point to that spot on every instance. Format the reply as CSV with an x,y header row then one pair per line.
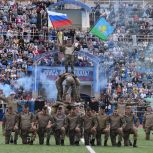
x,y
58,19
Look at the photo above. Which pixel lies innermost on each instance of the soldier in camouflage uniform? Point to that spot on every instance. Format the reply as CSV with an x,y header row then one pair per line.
x,y
70,83
27,126
131,123
116,122
89,123
73,126
45,123
103,126
148,122
9,125
59,125
77,82
59,86
68,50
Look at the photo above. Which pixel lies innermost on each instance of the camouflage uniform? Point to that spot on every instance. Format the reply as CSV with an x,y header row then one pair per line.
x,y
59,87
148,124
128,128
116,122
89,123
43,121
69,48
69,58
59,128
102,128
77,82
70,82
10,124
73,127
26,127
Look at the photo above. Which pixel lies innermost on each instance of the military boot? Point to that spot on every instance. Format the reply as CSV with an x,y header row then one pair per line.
x,y
92,142
11,139
147,136
119,144
62,142
47,142
105,143
135,143
77,143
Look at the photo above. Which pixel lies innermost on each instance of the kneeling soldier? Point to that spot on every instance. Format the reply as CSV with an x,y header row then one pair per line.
x,y
89,123
59,125
73,126
116,122
148,122
44,122
9,125
27,126
103,126
130,127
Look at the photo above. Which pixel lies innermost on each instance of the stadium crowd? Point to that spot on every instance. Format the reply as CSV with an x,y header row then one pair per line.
x,y
24,34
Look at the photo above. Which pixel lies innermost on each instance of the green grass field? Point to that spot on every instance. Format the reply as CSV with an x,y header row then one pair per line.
x,y
143,147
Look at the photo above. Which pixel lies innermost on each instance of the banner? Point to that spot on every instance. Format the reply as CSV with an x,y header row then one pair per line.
x,y
84,74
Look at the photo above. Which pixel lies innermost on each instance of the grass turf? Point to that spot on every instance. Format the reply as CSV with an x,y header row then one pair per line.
x,y
143,147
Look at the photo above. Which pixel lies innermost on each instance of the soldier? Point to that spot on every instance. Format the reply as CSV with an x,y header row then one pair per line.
x,y
148,122
69,57
103,126
73,126
59,126
70,82
89,122
45,123
9,125
27,126
59,87
130,126
69,49
121,106
116,122
77,82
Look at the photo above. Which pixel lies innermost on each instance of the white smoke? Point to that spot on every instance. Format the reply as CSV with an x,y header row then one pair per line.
x,y
49,87
7,90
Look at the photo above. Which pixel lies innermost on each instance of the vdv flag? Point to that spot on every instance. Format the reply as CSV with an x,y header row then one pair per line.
x,y
102,29
58,20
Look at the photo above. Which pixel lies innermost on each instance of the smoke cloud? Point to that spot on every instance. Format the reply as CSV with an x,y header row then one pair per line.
x,y
49,87
25,83
7,90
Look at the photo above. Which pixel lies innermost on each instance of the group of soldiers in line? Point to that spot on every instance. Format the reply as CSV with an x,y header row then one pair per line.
x,y
75,124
